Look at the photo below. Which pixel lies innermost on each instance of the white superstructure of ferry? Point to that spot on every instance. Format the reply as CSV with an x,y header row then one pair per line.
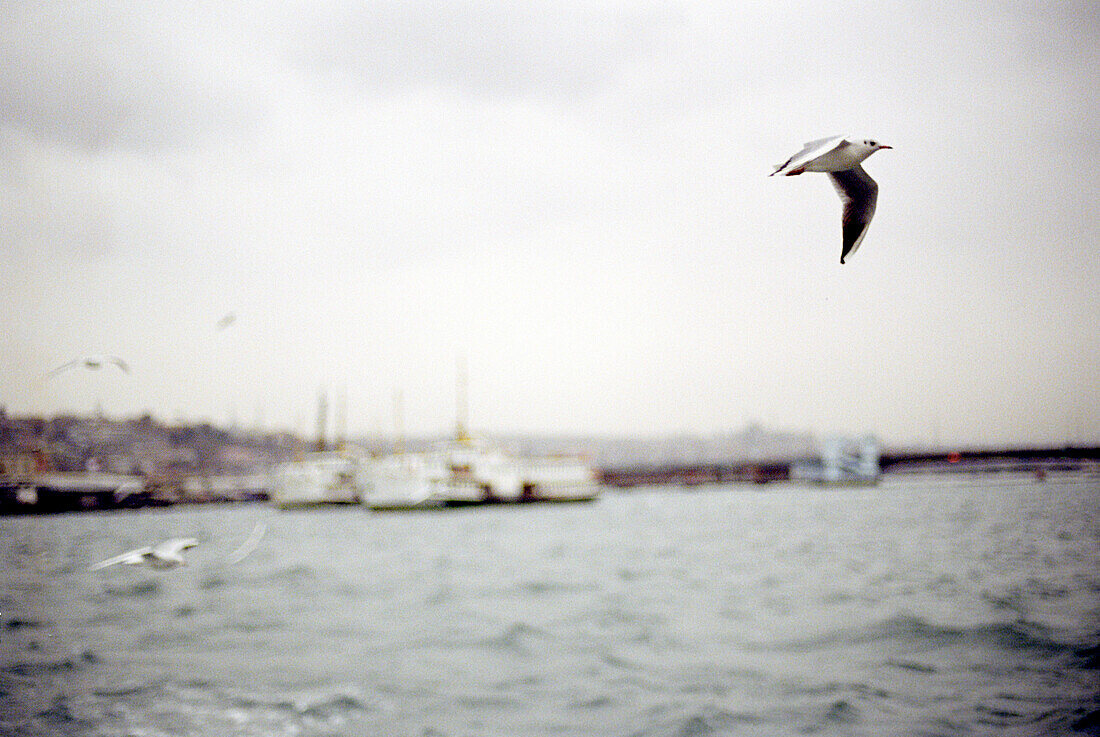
x,y
465,472
317,479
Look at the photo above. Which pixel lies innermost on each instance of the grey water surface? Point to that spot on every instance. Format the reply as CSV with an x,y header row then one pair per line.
x,y
937,605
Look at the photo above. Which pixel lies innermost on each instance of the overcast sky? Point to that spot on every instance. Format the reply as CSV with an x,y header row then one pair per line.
x,y
573,197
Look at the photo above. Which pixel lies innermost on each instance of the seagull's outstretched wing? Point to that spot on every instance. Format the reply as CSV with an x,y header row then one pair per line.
x,y
859,194
250,543
809,152
118,362
130,558
64,367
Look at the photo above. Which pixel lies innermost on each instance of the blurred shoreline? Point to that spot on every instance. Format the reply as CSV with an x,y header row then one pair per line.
x,y
73,463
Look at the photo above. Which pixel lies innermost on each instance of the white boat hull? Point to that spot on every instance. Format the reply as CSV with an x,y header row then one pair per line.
x,y
317,480
466,475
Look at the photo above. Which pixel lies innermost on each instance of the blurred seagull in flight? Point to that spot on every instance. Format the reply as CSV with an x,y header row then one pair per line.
x,y
165,555
227,320
250,543
94,361
840,158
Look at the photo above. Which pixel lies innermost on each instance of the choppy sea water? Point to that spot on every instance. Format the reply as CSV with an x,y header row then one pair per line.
x,y
924,606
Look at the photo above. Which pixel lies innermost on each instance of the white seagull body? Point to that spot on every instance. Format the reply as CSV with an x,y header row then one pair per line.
x,y
840,157
165,555
94,361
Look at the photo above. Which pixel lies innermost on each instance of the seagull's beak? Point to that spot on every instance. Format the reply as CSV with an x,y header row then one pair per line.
x,y
885,146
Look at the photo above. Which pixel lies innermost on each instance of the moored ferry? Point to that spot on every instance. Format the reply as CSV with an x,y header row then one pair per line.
x,y
465,472
317,479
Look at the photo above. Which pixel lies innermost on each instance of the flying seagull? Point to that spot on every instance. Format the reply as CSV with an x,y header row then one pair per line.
x,y
94,361
840,158
228,319
250,543
165,555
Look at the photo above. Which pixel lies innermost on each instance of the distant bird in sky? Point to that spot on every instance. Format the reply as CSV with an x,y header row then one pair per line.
x,y
840,158
165,555
226,320
93,361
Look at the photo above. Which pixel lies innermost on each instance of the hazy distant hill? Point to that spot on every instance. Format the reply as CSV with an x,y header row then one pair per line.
x,y
143,445
156,449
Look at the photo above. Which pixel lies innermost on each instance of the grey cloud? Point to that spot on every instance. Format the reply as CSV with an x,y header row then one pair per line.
x,y
108,75
539,48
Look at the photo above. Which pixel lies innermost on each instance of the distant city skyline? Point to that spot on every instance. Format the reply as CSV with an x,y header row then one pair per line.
x,y
572,198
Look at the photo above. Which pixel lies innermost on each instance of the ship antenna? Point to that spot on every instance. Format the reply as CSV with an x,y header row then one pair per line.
x,y
322,420
399,420
462,433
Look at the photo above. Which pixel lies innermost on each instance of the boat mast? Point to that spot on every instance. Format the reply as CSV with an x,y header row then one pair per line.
x,y
341,439
399,421
322,417
462,433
